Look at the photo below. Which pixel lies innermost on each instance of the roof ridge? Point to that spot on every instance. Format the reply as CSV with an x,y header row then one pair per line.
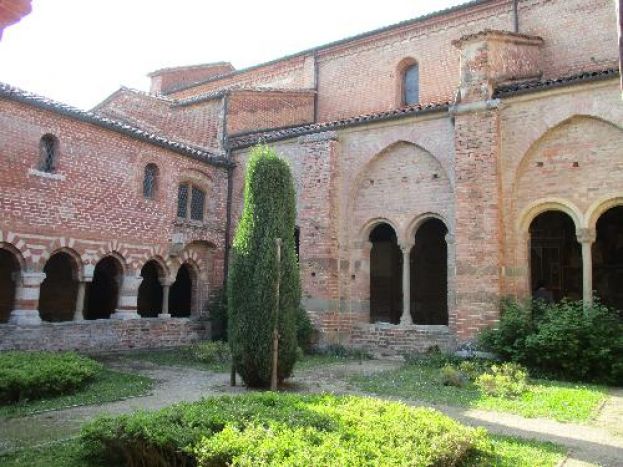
x,y
11,92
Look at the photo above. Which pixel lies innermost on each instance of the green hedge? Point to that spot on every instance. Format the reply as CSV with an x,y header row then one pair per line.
x,y
34,375
278,429
566,340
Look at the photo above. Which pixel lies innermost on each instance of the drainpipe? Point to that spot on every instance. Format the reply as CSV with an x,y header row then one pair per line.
x,y
230,189
515,16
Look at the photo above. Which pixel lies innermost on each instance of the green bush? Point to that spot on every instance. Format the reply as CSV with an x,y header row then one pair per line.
x,y
211,353
506,380
217,307
564,340
281,429
269,213
451,376
34,375
304,330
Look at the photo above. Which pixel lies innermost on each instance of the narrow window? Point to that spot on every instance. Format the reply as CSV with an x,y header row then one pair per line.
x,y
182,200
197,204
411,85
149,181
48,149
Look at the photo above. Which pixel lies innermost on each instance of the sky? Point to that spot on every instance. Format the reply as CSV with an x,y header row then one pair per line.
x,y
81,51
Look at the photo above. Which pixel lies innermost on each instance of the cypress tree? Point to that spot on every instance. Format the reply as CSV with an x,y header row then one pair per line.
x,y
269,212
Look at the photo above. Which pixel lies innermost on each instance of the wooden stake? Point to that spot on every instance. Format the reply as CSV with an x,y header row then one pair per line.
x,y
274,379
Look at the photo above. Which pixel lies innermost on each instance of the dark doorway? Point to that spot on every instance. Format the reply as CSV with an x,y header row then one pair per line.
x,y
150,291
180,297
608,258
555,256
385,276
103,292
429,274
297,240
57,299
9,268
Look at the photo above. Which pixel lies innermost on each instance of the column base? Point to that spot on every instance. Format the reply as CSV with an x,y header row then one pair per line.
x,y
124,315
406,321
25,318
164,316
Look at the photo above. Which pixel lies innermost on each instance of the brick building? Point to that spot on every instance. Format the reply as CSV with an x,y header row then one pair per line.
x,y
441,164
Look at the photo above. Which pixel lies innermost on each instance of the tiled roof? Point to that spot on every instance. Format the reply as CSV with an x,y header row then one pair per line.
x,y
542,85
16,94
243,140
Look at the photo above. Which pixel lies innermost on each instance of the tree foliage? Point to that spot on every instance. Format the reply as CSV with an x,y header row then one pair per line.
x,y
269,212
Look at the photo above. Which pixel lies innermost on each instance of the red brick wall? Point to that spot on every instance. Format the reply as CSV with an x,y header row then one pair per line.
x,y
94,201
253,110
164,81
199,124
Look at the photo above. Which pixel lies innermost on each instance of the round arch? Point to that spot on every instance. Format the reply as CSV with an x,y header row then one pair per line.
x,y
102,293
59,289
544,205
419,220
11,264
599,207
364,232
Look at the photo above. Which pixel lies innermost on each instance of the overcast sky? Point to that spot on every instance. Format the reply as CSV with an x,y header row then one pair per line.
x,y
80,51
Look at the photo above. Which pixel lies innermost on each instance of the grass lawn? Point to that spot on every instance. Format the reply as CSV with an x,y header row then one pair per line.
x,y
565,402
107,386
181,356
499,451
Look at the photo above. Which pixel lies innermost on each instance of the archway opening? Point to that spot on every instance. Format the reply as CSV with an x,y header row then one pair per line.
x,y
429,274
103,292
57,299
150,290
9,269
608,258
555,257
180,298
385,276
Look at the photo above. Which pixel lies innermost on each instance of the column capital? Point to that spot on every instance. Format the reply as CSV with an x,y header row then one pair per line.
x,y
586,235
450,240
406,247
166,281
32,279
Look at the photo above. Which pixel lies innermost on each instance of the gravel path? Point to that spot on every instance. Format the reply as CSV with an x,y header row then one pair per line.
x,y
597,443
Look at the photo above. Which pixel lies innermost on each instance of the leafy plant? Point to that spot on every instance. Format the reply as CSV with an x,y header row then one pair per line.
x,y
451,376
34,375
211,353
281,429
566,340
505,380
218,315
269,213
304,330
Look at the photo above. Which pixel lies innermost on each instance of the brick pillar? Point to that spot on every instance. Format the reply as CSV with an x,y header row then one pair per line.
x,y
26,312
128,298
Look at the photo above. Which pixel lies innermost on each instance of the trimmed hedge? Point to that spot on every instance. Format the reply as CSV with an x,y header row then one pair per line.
x,y
278,429
269,213
34,375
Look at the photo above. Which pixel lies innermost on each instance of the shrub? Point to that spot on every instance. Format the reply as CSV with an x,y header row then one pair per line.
x,y
281,429
304,330
218,315
340,351
211,353
34,375
269,213
566,340
451,376
505,380
472,369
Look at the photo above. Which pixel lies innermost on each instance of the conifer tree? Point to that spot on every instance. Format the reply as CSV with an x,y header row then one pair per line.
x,y
269,213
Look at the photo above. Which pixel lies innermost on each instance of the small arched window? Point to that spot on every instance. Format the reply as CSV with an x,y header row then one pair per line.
x,y
190,202
48,153
411,85
150,181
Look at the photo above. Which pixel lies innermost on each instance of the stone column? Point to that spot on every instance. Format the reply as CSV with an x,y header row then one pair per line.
x,y
586,237
166,288
128,298
79,310
26,311
406,319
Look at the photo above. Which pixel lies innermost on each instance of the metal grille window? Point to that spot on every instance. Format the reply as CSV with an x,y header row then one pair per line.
x,y
182,200
197,204
411,85
149,181
48,148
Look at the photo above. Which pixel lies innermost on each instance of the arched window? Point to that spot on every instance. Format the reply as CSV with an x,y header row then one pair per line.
x,y
48,153
150,181
411,85
190,202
